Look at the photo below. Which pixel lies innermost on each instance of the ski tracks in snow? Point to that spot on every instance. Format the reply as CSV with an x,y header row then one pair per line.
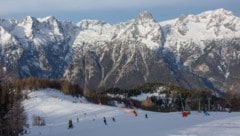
x,y
221,127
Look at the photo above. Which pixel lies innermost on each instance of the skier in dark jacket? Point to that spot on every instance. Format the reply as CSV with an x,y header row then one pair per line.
x,y
70,124
104,120
113,119
205,112
146,116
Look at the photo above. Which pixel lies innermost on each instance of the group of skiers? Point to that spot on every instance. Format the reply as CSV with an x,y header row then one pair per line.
x,y
105,120
70,123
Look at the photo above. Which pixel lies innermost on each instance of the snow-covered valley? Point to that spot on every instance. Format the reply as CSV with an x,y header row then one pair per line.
x,y
57,109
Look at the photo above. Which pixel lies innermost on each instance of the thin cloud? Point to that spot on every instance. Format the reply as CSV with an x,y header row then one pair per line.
x,y
22,6
17,8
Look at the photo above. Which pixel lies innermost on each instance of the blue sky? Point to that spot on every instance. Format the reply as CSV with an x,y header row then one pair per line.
x,y
112,11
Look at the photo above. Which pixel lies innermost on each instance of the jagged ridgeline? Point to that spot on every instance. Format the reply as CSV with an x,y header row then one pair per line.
x,y
194,51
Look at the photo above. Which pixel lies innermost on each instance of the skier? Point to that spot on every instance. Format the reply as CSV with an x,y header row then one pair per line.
x,y
146,116
113,119
134,112
104,120
230,110
205,112
77,119
70,124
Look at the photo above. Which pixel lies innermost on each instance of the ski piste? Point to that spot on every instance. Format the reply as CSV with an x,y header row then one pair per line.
x,y
87,119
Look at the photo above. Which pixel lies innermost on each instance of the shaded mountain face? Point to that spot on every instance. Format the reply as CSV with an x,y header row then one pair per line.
x,y
195,51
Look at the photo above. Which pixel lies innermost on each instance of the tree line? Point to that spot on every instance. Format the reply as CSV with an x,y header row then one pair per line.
x,y
177,98
12,115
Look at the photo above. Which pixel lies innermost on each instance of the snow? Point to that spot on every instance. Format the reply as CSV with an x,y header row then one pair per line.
x,y
166,26
195,30
203,68
94,30
227,74
144,96
57,109
216,24
5,36
223,127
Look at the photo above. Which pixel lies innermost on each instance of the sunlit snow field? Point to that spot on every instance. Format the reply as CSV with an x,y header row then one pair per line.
x,y
57,109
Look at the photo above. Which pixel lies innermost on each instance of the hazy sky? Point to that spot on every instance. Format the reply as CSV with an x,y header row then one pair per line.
x,y
112,11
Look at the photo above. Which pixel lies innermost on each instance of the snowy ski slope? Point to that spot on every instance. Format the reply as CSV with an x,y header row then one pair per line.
x,y
57,109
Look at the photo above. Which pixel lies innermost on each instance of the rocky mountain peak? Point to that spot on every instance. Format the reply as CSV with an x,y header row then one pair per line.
x,y
219,16
217,12
29,20
145,16
86,24
50,19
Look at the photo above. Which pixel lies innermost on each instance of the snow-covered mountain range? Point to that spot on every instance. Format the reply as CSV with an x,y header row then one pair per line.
x,y
196,51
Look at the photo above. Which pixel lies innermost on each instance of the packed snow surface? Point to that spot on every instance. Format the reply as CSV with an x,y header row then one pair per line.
x,y
57,109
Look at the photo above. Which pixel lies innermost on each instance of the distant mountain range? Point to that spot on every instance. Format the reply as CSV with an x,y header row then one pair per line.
x,y
195,51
